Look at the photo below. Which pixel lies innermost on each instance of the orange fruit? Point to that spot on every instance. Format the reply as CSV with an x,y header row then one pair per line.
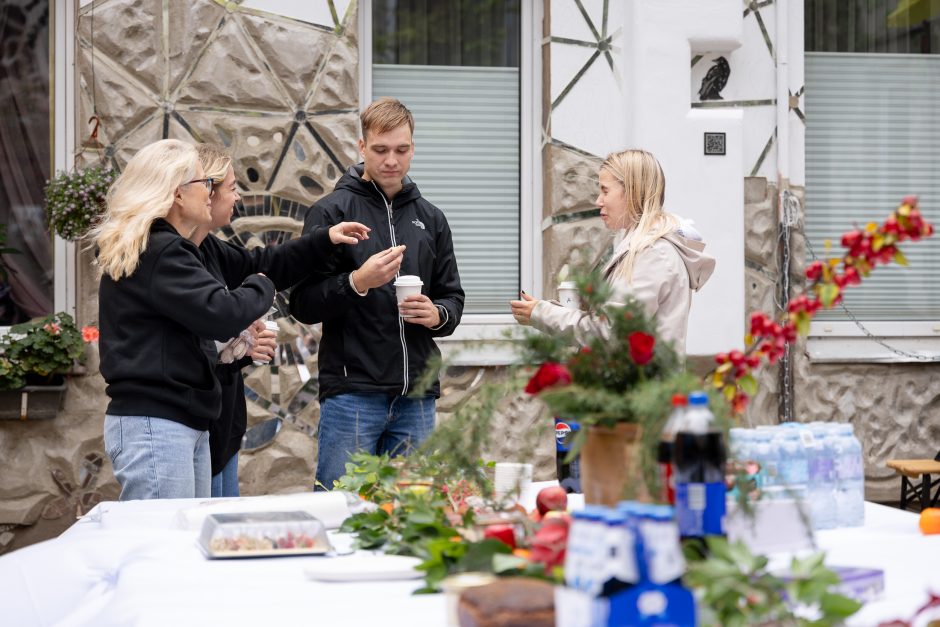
x,y
387,507
930,520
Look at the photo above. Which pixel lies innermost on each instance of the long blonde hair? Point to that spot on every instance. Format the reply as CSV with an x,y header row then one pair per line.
x,y
644,186
215,162
142,193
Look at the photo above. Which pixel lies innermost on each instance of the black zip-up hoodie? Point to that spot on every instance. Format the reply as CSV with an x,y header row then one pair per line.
x,y
285,264
157,327
366,346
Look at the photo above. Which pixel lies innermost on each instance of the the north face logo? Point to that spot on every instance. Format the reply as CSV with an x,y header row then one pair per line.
x,y
418,223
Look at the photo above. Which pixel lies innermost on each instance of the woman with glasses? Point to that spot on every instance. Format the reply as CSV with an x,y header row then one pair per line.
x,y
159,310
285,264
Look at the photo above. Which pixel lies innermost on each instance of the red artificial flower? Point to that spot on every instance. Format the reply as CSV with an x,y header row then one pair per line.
x,y
641,347
549,374
90,334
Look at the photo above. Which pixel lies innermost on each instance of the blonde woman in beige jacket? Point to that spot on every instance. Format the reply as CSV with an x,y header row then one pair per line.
x,y
656,261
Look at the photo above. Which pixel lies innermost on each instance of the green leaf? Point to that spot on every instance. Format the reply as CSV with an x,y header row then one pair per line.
x,y
836,605
748,384
507,562
828,292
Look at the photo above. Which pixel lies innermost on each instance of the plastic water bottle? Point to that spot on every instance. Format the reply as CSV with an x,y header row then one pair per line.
x,y
794,464
822,478
664,452
699,469
850,472
765,453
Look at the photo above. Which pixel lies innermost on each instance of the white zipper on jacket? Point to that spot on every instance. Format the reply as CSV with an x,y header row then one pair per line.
x,y
401,324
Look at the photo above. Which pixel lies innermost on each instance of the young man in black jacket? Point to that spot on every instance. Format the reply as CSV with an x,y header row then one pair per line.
x,y
373,350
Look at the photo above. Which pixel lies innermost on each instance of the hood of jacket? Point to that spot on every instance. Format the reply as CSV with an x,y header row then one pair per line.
x,y
699,264
352,180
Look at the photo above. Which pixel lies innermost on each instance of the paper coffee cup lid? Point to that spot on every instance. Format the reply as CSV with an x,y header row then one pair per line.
x,y
567,285
409,279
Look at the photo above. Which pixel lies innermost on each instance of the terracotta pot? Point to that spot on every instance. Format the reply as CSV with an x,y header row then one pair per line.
x,y
610,460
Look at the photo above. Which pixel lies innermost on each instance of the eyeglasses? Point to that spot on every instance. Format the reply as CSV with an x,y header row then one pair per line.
x,y
207,182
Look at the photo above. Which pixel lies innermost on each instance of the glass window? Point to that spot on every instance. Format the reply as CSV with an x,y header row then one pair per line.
x,y
872,137
26,283
455,64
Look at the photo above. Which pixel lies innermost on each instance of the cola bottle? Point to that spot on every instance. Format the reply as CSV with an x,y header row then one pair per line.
x,y
698,459
667,490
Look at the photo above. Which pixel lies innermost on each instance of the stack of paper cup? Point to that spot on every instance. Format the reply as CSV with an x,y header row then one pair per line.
x,y
568,295
512,480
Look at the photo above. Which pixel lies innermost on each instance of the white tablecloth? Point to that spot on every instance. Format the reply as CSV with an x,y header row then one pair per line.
x,y
128,564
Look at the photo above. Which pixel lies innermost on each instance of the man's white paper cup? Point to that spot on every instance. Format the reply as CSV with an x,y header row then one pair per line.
x,y
512,479
407,285
568,295
270,325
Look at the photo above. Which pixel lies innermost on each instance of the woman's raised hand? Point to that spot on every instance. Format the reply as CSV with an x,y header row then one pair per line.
x,y
348,233
522,309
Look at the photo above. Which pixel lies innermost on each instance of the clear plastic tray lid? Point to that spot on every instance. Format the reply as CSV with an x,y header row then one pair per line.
x,y
263,534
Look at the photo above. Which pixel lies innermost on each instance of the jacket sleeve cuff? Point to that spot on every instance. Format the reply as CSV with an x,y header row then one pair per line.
x,y
352,284
444,315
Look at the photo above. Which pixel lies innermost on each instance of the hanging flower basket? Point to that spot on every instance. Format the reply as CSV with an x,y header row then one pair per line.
x,y
75,200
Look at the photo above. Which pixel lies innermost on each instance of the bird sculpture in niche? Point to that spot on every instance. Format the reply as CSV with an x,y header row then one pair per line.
x,y
715,80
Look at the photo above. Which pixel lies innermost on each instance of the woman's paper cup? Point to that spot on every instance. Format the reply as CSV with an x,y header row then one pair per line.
x,y
512,479
568,295
407,285
270,325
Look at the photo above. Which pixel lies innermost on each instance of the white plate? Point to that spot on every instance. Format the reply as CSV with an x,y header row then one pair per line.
x,y
364,567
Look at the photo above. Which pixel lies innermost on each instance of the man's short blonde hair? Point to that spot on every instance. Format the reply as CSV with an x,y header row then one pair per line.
x,y
384,115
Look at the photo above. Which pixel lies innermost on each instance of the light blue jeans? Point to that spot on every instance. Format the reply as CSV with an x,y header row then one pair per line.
x,y
374,423
226,482
156,458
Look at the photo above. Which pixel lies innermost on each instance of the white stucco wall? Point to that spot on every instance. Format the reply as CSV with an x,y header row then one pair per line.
x,y
662,37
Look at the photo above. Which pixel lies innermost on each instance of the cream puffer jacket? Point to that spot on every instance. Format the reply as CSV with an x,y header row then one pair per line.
x,y
664,277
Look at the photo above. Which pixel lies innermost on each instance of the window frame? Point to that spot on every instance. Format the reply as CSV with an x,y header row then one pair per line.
x,y
63,122
63,115
490,329
844,341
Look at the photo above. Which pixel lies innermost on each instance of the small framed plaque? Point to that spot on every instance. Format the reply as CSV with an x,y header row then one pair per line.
x,y
714,143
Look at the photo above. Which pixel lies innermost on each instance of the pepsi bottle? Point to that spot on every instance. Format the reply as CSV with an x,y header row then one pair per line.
x,y
569,473
699,457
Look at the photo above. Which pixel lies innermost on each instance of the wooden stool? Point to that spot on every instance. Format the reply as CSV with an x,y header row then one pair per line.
x,y
912,469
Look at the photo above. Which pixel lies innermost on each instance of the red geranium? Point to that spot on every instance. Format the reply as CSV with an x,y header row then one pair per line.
x,y
641,347
550,373
90,334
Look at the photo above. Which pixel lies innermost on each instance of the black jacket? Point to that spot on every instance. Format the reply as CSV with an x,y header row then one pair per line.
x,y
366,347
285,264
157,327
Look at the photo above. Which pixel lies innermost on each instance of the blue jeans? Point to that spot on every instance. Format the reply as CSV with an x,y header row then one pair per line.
x,y
374,423
155,458
226,482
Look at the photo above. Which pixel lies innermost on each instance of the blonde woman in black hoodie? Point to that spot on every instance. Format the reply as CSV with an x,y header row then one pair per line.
x,y
159,312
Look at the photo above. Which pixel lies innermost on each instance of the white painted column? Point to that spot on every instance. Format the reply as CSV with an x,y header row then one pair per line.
x,y
661,37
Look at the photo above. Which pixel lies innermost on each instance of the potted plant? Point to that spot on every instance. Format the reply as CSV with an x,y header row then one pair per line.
x,y
617,389
75,200
35,357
